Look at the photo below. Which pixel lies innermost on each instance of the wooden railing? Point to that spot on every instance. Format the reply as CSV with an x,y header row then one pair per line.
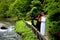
x,y
39,36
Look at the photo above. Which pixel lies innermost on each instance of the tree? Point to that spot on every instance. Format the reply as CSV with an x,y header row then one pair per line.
x,y
19,8
4,7
35,8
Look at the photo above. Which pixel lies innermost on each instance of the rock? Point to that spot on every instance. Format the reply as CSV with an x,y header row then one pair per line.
x,y
3,26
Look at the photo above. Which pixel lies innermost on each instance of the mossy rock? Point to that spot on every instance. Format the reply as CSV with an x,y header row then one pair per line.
x,y
3,26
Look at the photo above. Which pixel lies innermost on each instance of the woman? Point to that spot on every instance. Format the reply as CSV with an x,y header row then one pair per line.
x,y
43,20
38,22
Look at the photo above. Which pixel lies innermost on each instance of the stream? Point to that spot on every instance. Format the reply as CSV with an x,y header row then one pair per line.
x,y
9,33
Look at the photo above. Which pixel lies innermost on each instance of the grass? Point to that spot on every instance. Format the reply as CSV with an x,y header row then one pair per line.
x,y
25,31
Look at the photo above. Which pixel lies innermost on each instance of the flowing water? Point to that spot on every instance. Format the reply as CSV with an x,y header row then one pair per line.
x,y
8,34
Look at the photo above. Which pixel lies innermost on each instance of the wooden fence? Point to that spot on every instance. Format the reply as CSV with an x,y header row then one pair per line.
x,y
39,36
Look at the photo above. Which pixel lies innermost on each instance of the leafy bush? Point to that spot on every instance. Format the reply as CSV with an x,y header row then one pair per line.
x,y
35,9
19,9
53,21
26,33
52,7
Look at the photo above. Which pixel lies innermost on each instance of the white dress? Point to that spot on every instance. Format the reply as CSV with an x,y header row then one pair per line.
x,y
42,30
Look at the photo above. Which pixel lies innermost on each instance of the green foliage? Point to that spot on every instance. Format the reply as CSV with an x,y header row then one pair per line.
x,y
19,9
27,33
28,8
14,8
4,7
54,20
35,8
52,8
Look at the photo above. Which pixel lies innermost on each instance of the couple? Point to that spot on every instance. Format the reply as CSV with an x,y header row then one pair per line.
x,y
41,19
